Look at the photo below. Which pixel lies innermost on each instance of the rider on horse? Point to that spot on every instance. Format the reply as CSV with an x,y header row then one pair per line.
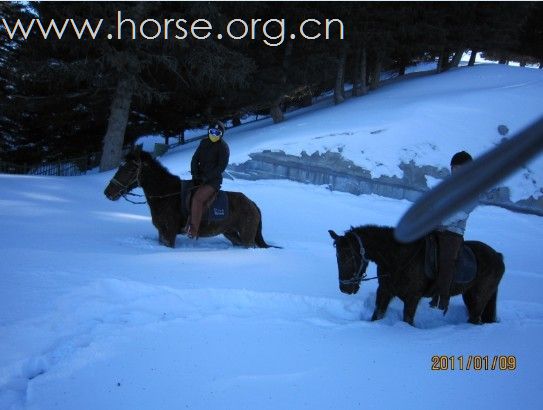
x,y
207,165
450,236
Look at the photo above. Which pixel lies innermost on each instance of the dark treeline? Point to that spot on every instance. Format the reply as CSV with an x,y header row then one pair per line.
x,y
64,97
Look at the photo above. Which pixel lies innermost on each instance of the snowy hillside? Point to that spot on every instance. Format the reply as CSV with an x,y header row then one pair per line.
x,y
94,314
424,120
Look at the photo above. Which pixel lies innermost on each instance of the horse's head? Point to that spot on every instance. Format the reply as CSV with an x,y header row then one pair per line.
x,y
351,261
126,178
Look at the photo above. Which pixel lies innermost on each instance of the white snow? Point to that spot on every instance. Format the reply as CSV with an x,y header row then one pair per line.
x,y
95,314
426,120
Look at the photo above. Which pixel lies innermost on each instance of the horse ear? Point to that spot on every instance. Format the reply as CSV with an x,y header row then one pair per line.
x,y
334,235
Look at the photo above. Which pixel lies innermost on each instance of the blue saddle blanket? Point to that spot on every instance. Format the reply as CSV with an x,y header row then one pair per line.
x,y
466,264
217,211
219,208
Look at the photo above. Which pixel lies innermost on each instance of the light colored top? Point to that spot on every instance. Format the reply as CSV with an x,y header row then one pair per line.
x,y
457,222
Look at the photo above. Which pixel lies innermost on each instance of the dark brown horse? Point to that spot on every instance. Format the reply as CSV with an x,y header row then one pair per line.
x,y
400,272
242,226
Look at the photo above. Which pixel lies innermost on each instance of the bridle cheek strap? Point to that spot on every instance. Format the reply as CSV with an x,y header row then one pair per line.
x,y
135,179
360,273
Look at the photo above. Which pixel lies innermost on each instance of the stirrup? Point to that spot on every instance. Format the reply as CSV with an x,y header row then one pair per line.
x,y
440,303
190,232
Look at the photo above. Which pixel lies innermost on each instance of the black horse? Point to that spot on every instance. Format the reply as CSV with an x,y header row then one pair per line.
x,y
242,226
400,272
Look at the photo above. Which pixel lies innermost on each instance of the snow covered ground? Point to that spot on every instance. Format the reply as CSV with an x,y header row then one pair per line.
x,y
94,314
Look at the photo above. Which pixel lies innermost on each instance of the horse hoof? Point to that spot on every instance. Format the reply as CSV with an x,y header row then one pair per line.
x,y
477,321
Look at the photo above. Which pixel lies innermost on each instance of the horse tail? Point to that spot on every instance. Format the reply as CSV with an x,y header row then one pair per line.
x,y
259,239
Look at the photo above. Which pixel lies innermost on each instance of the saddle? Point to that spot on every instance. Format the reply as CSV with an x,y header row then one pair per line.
x,y
216,209
466,264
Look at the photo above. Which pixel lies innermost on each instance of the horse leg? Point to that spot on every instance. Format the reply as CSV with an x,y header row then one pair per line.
x,y
481,306
409,308
382,300
161,239
171,240
167,238
247,232
233,237
469,301
475,302
489,314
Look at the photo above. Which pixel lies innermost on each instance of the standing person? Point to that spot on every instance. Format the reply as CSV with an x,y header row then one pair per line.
x,y
207,165
450,237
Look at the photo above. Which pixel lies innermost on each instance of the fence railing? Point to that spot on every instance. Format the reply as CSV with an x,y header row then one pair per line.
x,y
65,167
9,168
79,165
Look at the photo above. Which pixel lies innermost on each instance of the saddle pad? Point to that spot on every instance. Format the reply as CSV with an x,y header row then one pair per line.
x,y
219,208
216,212
466,264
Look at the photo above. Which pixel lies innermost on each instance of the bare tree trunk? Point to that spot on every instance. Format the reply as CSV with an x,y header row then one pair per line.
x,y
443,62
275,110
356,70
522,63
457,58
362,89
307,100
116,126
363,71
181,133
439,68
472,58
403,62
339,89
375,76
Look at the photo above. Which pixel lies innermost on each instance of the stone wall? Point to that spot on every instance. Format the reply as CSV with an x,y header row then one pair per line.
x,y
339,174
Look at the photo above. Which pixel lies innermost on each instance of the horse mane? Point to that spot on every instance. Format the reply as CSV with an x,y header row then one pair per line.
x,y
161,178
373,230
382,237
383,232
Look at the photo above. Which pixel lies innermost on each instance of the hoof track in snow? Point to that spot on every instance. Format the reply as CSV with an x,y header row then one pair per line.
x,y
111,306
150,242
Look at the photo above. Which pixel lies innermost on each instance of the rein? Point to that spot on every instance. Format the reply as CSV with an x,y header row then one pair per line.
x,y
360,275
137,179
133,202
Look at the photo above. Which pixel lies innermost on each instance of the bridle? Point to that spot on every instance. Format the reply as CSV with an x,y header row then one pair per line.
x,y
125,188
360,273
136,179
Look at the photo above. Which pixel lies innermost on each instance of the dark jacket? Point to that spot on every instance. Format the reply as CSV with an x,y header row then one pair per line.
x,y
209,162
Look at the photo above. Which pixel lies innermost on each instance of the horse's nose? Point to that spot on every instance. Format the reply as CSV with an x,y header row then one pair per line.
x,y
108,195
349,290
